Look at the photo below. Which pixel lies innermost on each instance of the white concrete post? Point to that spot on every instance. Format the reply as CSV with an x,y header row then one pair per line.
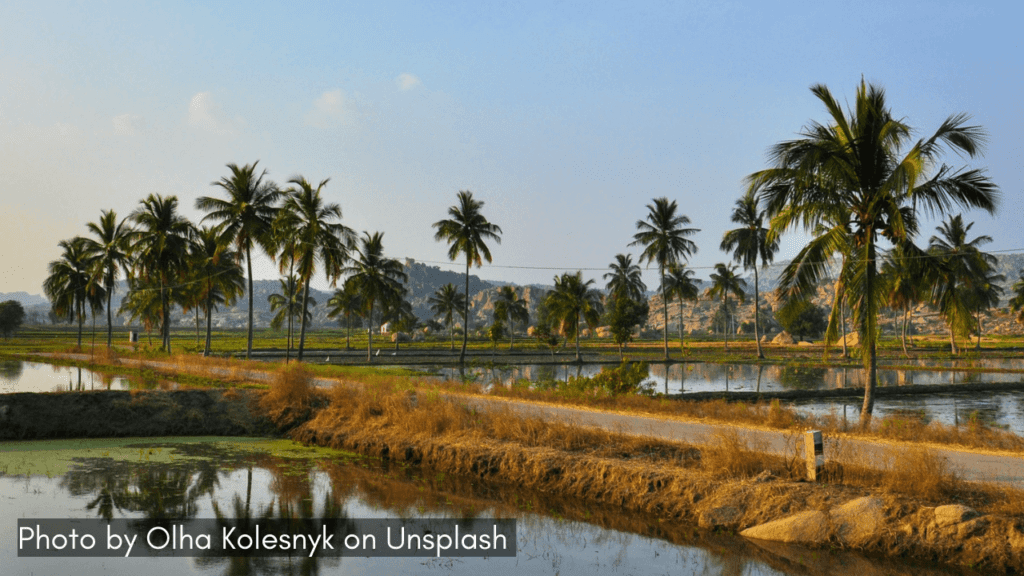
x,y
815,453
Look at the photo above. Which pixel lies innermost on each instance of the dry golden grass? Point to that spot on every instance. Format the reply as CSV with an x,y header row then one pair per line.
x,y
291,397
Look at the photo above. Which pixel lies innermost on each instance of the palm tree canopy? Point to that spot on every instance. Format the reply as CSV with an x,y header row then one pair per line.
x,y
447,302
679,284
375,277
70,283
313,228
724,281
573,298
109,246
215,265
508,307
961,274
625,279
345,301
663,235
161,239
751,240
467,230
288,302
1017,302
248,212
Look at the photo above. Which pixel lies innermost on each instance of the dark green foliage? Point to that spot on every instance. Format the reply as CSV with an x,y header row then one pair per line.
x,y
623,316
627,378
12,314
800,317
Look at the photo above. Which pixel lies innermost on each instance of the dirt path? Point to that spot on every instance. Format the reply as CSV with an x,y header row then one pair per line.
x,y
972,464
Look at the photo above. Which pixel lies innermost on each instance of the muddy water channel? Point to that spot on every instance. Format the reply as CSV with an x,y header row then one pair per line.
x,y
1004,408
237,480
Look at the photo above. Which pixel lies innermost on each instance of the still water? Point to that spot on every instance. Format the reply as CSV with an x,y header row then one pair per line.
x,y
238,479
1004,409
18,376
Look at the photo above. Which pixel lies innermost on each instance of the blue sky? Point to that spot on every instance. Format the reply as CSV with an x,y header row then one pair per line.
x,y
566,119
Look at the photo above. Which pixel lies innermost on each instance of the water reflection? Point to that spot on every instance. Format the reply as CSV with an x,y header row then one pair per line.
x,y
239,489
19,376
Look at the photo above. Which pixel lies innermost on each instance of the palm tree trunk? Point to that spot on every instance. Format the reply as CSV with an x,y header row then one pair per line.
x,y
952,342
248,264
842,317
578,335
81,319
664,307
511,332
291,297
757,334
978,316
197,326
906,314
681,348
867,336
302,328
165,333
110,320
725,308
451,332
465,318
369,335
209,318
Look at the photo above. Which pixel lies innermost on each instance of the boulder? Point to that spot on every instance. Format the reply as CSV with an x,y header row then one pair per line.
x,y
783,338
531,331
765,339
810,527
852,339
603,331
953,514
804,343
419,337
858,520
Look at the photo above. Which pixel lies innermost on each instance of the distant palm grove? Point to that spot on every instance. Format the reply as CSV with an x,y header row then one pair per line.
x,y
857,182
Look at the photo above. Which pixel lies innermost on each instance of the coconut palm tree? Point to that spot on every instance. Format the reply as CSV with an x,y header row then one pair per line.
x,y
901,276
511,309
960,282
376,278
1017,302
142,304
160,247
319,237
71,282
574,300
216,267
665,242
289,306
860,162
466,232
625,279
446,303
724,281
345,302
109,248
749,242
679,284
248,215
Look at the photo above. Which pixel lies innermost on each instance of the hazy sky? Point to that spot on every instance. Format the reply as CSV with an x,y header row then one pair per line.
x,y
566,119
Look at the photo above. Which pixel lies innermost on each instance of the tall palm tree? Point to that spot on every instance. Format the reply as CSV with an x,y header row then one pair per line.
x,y
247,214
724,281
446,303
320,238
665,242
142,303
574,300
625,279
901,275
345,302
160,246
289,305
1017,302
376,278
750,241
959,266
466,232
70,285
859,162
221,279
510,308
679,284
110,250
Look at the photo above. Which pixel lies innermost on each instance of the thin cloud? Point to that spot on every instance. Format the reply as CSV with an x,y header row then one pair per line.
x,y
206,114
128,124
330,109
407,81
